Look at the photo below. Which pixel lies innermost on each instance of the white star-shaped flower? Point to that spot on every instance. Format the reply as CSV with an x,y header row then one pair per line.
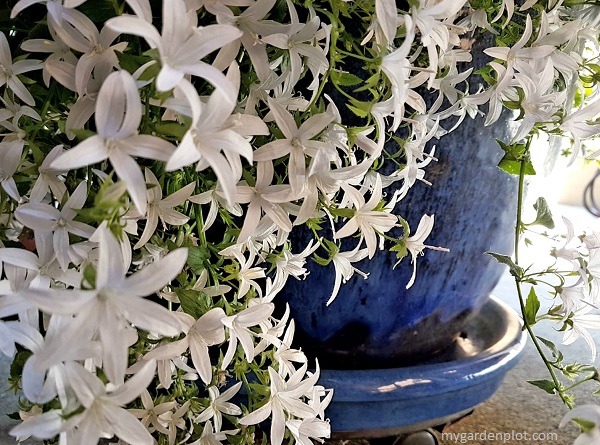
x,y
182,45
238,327
116,303
99,54
284,398
220,405
9,71
104,415
415,243
162,208
45,218
10,158
118,115
367,220
207,331
298,142
217,137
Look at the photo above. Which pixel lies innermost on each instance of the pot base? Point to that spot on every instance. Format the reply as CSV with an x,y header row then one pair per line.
x,y
373,403
430,339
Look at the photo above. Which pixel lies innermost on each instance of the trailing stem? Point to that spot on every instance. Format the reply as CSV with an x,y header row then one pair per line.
x,y
521,187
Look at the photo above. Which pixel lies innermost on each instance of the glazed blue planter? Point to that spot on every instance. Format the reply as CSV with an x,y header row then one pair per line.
x,y
378,322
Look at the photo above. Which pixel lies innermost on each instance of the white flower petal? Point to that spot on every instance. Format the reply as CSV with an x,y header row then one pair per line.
x,y
156,275
134,386
168,78
43,426
127,24
38,216
85,385
110,270
114,346
129,171
151,316
185,154
58,301
255,417
127,427
91,151
201,361
149,147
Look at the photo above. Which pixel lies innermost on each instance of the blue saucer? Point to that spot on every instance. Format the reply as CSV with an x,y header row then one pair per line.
x,y
384,402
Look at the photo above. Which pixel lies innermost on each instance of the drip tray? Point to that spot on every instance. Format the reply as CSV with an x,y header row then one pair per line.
x,y
374,403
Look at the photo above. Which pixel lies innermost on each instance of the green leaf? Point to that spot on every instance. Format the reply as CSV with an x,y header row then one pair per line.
x,y
345,79
314,224
360,108
331,248
532,306
320,261
249,177
38,155
150,72
257,388
585,425
514,156
486,71
83,134
236,440
558,356
193,303
515,270
16,367
401,251
89,277
573,370
544,215
357,111
344,213
514,167
371,82
546,385
130,62
98,11
196,258
171,129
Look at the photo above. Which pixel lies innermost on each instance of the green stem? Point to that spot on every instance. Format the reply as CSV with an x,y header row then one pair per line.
x,y
520,198
118,8
43,113
199,219
538,281
547,272
588,378
200,224
321,88
355,56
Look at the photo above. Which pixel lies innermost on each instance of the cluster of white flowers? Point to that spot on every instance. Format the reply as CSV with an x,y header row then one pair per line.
x,y
203,126
571,278
575,285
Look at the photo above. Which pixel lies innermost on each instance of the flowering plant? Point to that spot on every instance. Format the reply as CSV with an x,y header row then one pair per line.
x,y
154,163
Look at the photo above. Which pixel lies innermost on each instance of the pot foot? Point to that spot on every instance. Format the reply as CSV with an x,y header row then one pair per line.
x,y
426,437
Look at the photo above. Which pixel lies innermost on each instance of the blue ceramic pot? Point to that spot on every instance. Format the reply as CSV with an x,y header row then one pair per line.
x,y
377,322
